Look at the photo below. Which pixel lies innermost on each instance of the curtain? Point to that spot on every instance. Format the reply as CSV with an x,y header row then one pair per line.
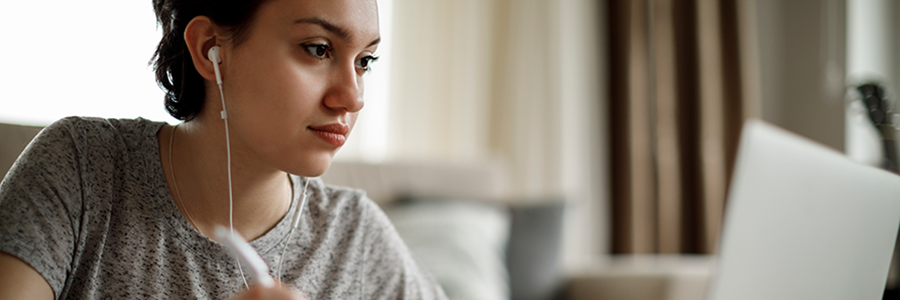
x,y
514,81
679,92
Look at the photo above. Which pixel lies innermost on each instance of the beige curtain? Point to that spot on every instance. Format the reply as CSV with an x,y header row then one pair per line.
x,y
678,97
514,81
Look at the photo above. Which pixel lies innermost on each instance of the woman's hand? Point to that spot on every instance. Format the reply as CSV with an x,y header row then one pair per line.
x,y
273,293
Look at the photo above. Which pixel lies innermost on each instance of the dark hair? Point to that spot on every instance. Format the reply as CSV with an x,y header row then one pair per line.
x,y
175,72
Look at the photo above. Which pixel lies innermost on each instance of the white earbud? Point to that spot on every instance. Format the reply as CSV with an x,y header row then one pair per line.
x,y
214,57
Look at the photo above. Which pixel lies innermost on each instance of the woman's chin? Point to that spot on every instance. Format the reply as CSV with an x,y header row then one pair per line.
x,y
313,167
316,173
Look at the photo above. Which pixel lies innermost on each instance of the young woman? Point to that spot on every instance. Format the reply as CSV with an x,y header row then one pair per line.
x,y
124,209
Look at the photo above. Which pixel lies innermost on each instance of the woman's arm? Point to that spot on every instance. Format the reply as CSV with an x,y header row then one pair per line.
x,y
20,281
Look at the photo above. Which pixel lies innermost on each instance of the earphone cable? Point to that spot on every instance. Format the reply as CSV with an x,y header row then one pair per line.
x,y
296,218
230,191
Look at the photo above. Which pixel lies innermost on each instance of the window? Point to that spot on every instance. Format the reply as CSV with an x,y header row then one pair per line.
x,y
62,58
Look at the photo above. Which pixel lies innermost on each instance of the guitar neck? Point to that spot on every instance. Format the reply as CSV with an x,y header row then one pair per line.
x,y
889,142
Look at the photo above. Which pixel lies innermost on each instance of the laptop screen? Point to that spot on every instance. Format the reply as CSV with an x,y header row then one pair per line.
x,y
804,222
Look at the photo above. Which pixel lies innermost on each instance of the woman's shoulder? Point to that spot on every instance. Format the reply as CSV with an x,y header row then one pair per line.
x,y
71,141
95,127
87,134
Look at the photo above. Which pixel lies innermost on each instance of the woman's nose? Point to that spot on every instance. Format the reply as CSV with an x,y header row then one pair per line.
x,y
346,90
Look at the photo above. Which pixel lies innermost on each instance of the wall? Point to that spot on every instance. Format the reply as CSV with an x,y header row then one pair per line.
x,y
514,81
800,43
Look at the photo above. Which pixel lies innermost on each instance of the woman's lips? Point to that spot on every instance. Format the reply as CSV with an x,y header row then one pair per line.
x,y
334,134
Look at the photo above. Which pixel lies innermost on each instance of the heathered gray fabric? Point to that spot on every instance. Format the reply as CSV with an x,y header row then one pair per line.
x,y
87,205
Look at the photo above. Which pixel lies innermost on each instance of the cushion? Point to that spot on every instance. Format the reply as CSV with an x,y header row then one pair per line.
x,y
533,253
462,243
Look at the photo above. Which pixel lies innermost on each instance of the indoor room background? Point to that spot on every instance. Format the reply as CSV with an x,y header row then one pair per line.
x,y
629,110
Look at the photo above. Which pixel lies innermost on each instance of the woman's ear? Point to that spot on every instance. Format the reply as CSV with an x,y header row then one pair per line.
x,y
199,36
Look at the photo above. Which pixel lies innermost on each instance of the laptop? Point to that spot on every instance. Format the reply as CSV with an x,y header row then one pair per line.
x,y
804,222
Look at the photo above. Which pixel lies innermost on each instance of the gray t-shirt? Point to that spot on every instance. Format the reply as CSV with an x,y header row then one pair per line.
x,y
87,206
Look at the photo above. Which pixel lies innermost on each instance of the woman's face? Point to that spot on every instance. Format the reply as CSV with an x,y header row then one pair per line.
x,y
294,86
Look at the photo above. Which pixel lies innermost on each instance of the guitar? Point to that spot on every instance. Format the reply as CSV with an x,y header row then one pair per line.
x,y
880,111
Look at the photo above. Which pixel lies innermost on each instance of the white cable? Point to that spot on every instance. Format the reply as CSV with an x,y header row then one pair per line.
x,y
296,218
295,223
281,260
246,255
230,191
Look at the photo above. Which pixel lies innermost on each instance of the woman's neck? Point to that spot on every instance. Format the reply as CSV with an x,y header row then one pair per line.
x,y
261,196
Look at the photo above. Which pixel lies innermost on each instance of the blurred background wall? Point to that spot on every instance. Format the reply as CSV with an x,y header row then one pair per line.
x,y
514,81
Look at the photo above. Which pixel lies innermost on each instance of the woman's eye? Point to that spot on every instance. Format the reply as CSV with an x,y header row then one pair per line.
x,y
365,63
318,50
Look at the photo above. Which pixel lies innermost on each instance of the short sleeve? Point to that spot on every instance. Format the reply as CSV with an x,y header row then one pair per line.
x,y
389,269
40,203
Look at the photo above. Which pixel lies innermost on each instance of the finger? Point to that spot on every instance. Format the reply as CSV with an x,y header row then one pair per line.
x,y
272,293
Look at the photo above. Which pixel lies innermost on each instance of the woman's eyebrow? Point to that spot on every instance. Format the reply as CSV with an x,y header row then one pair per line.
x,y
335,29
375,42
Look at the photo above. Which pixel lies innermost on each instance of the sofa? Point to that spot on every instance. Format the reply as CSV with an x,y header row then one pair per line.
x,y
461,224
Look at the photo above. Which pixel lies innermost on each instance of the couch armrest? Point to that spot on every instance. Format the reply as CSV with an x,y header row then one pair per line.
x,y
641,277
390,181
13,139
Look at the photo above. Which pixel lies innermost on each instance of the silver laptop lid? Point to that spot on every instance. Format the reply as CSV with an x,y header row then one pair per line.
x,y
804,222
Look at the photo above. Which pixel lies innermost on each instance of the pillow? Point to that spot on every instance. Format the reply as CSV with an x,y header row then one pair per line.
x,y
461,243
533,250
